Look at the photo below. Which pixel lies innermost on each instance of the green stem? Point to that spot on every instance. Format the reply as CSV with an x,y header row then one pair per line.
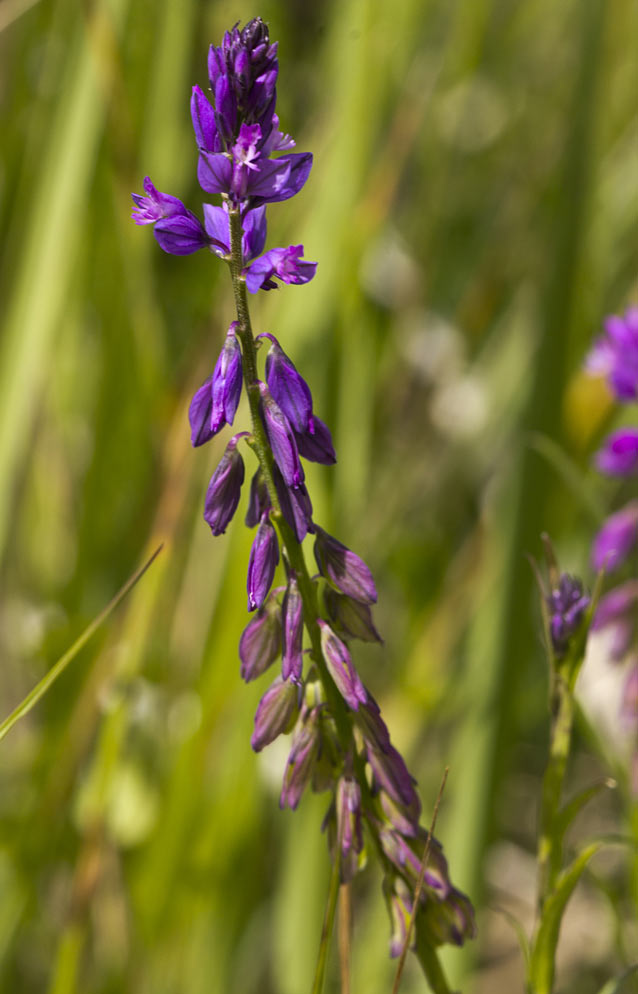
x,y
294,552
431,965
550,838
326,931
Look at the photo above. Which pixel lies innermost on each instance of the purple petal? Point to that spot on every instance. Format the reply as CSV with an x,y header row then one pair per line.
x,y
214,172
344,569
216,223
224,489
619,454
155,205
275,713
616,539
264,556
203,117
341,668
199,414
181,234
292,613
281,438
317,446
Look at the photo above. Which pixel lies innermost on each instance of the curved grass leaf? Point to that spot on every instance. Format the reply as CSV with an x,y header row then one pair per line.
x,y
58,668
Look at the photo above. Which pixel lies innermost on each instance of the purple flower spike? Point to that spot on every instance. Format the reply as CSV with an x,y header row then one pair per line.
x,y
264,556
224,489
281,438
302,759
616,539
260,642
344,569
619,454
567,605
341,668
292,612
284,263
317,447
289,389
276,713
227,379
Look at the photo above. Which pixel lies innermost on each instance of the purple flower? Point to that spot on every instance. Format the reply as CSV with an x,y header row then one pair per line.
x,y
303,755
177,229
260,642
215,403
276,713
619,454
567,605
253,225
616,539
289,389
264,556
281,438
243,76
284,263
250,177
224,489
292,614
615,355
618,609
341,668
344,569
317,446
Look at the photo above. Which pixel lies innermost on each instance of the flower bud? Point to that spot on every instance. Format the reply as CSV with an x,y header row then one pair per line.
x,y
316,446
349,827
344,569
399,903
296,506
351,619
264,556
226,386
260,641
292,612
224,489
341,668
289,389
258,502
276,713
281,438
302,758
567,605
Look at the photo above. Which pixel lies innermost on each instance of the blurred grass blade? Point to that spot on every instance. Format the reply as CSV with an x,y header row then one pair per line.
x,y
544,953
41,688
617,985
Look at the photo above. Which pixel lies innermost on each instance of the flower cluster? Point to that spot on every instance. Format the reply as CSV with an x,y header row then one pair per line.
x,y
567,604
339,741
239,145
615,356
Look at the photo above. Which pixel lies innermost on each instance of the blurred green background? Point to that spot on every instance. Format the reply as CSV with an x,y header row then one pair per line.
x,y
473,211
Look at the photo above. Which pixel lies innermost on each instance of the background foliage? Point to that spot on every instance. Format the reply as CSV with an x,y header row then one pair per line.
x,y
473,211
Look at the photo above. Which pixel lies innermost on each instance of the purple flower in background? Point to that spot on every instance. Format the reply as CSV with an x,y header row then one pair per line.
x,y
341,668
224,489
615,355
618,610
567,605
344,569
284,263
264,556
289,389
619,454
276,713
617,539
